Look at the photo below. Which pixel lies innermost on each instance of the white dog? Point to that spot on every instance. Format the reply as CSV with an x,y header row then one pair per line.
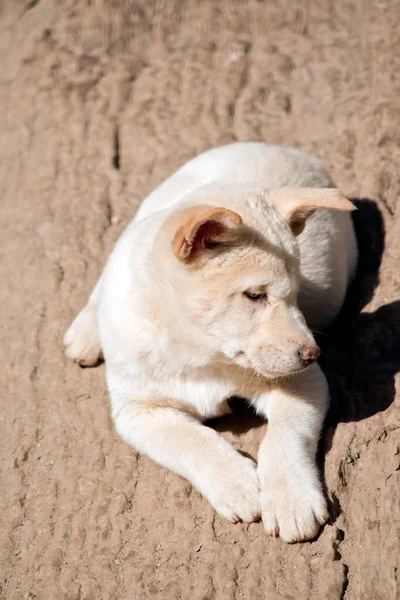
x,y
202,299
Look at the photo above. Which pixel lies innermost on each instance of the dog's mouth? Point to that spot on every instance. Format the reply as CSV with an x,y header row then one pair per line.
x,y
281,375
242,359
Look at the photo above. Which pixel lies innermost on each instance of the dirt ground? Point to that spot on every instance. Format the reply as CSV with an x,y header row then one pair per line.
x,y
100,100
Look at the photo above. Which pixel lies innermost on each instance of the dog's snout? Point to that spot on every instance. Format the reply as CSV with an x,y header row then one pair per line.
x,y
309,354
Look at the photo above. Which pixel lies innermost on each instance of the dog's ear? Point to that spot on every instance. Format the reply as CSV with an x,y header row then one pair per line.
x,y
200,228
297,204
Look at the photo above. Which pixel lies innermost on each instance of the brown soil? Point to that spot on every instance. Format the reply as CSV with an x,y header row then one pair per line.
x,y
100,100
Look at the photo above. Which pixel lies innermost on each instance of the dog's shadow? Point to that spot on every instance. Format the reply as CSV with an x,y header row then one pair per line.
x,y
241,420
360,351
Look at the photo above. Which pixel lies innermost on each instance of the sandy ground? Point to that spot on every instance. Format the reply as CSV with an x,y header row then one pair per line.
x,y
100,100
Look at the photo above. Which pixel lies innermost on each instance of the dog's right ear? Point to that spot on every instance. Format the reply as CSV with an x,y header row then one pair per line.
x,y
297,204
200,228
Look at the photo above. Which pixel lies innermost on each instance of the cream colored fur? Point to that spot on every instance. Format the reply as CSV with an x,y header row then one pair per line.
x,y
180,336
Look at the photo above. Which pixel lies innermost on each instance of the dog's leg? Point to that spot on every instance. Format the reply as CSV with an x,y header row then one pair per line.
x,y
292,501
81,340
180,442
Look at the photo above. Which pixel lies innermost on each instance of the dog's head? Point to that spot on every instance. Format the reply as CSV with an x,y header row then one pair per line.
x,y
235,274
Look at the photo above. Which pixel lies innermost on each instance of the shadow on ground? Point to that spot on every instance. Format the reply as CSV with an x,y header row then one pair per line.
x,y
361,351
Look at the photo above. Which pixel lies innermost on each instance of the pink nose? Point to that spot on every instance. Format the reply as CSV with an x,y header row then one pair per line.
x,y
309,354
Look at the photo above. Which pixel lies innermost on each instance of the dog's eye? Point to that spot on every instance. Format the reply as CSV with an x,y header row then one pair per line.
x,y
254,296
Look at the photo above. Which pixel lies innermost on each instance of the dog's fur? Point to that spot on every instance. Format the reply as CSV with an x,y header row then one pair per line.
x,y
180,336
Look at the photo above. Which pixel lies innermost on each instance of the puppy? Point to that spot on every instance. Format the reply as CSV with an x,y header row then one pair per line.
x,y
210,293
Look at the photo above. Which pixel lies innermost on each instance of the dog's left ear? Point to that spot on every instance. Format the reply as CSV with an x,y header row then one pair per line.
x,y
297,204
200,228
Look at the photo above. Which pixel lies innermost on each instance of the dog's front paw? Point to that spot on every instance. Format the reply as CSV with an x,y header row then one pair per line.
x,y
235,494
294,511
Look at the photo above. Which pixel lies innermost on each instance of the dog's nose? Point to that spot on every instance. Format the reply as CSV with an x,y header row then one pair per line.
x,y
309,354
